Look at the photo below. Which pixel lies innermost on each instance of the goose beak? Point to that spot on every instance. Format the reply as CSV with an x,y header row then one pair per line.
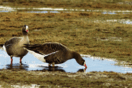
x,y
26,30
85,65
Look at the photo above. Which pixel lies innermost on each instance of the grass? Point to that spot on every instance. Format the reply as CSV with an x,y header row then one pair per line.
x,y
61,79
85,4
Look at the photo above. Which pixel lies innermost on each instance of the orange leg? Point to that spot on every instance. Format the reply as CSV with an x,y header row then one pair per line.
x,y
11,60
20,60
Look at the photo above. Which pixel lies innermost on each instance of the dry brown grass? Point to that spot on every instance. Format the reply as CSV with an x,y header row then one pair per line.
x,y
85,4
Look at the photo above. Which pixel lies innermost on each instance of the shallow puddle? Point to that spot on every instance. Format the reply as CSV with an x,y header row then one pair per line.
x,y
57,10
108,12
43,12
29,62
3,11
122,21
25,86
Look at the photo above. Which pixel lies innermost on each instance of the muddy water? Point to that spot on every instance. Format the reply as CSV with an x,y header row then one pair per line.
x,y
29,62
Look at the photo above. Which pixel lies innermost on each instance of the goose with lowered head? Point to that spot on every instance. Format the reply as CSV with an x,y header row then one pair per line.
x,y
54,53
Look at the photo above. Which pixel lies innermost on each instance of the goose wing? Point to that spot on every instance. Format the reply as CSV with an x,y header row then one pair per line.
x,y
46,48
56,57
12,41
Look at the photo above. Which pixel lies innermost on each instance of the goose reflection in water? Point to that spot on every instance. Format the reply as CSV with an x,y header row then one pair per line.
x,y
17,66
58,68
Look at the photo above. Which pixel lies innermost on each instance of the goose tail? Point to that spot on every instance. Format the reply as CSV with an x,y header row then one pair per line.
x,y
37,55
1,46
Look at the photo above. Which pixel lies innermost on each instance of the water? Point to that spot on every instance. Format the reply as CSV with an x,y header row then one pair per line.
x,y
3,11
105,12
43,12
122,21
29,62
25,86
56,10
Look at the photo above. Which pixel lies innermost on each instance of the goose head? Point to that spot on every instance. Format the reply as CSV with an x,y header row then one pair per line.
x,y
25,30
79,59
82,62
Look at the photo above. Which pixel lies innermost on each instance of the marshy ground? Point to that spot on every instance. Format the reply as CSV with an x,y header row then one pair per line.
x,y
94,33
61,79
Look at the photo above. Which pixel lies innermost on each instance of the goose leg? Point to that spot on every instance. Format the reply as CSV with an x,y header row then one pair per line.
x,y
11,60
53,64
20,60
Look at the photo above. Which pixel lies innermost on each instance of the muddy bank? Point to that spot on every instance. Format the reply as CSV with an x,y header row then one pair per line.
x,y
61,79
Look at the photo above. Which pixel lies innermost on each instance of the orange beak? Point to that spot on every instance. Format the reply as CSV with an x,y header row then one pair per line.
x,y
26,30
85,65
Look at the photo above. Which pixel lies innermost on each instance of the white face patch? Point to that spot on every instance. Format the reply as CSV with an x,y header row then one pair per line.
x,y
26,27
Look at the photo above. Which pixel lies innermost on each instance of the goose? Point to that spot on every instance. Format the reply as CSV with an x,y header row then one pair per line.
x,y
14,46
53,53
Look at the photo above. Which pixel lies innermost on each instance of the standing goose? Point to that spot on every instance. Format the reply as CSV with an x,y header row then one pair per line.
x,y
54,53
14,46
